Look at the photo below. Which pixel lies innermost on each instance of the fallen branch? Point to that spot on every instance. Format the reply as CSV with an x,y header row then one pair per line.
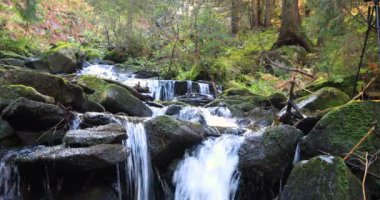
x,y
282,66
364,138
365,176
365,89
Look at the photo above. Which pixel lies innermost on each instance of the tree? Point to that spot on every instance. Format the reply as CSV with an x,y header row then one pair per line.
x,y
28,12
290,31
235,16
268,13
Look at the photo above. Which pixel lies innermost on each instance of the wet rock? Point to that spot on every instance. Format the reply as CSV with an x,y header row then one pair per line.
x,y
62,59
9,54
320,100
173,110
82,159
108,134
168,138
94,192
9,93
117,99
13,62
322,177
91,119
341,129
196,99
48,137
61,90
265,160
181,88
6,130
27,115
238,91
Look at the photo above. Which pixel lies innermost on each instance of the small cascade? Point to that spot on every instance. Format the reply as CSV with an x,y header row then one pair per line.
x,y
210,172
189,87
207,116
138,167
204,88
297,154
9,177
75,123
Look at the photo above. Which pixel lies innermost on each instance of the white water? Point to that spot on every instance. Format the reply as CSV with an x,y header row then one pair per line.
x,y
138,167
297,154
75,123
209,173
9,177
204,88
196,114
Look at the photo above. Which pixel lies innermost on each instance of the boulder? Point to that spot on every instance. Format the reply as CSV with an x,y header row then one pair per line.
x,y
6,130
76,159
322,177
91,119
238,91
322,99
182,87
341,129
108,134
117,99
13,62
168,138
265,160
46,137
9,93
173,110
9,54
196,99
62,59
61,90
27,115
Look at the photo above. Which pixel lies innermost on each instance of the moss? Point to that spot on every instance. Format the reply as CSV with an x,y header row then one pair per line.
x,y
322,180
9,54
167,124
95,83
238,91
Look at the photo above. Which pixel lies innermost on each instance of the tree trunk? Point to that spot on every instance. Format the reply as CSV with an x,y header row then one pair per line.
x,y
235,16
130,16
259,12
268,13
290,33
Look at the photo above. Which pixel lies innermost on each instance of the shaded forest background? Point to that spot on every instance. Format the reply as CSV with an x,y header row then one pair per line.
x,y
249,44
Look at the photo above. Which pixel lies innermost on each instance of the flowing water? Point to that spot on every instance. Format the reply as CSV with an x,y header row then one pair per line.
x,y
210,172
9,177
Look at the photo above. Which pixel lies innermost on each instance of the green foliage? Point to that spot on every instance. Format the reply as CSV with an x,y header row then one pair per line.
x,y
22,46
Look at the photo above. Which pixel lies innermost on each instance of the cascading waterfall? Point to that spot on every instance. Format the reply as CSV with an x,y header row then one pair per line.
x,y
199,114
297,154
204,88
138,167
210,172
9,177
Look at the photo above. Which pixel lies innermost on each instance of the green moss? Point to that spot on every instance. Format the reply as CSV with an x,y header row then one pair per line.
x,y
238,91
167,124
9,54
95,83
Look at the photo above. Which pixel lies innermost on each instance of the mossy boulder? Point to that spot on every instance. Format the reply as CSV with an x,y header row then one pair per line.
x,y
322,99
343,83
9,93
95,83
62,59
168,138
238,91
264,160
50,85
117,99
322,177
117,55
341,129
13,62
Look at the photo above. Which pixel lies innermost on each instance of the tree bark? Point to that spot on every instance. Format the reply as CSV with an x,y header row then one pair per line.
x,y
268,13
254,18
235,16
290,32
130,16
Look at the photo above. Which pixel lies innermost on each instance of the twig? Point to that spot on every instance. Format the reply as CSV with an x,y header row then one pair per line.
x,y
365,137
365,89
282,66
365,175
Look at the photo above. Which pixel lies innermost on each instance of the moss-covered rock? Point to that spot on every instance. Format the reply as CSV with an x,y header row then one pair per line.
x,y
265,160
95,83
322,99
341,129
13,62
343,83
62,59
168,138
322,177
117,99
9,54
117,55
9,93
238,91
61,90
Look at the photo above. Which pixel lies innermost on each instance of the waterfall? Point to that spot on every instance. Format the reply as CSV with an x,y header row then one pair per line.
x,y
75,123
210,172
297,154
189,87
9,176
204,88
138,167
208,116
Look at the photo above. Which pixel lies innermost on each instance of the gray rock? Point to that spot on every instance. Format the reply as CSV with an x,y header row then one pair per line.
x,y
5,130
91,119
108,134
89,158
27,115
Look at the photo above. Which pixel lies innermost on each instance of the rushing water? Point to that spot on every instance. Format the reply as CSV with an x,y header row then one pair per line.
x,y
138,167
204,88
208,116
9,177
210,172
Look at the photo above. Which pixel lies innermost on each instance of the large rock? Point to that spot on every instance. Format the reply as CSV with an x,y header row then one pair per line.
x,y
341,129
62,59
168,138
322,177
46,137
13,62
9,54
91,119
108,134
61,90
322,99
265,160
76,159
9,93
6,130
238,91
28,115
117,99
